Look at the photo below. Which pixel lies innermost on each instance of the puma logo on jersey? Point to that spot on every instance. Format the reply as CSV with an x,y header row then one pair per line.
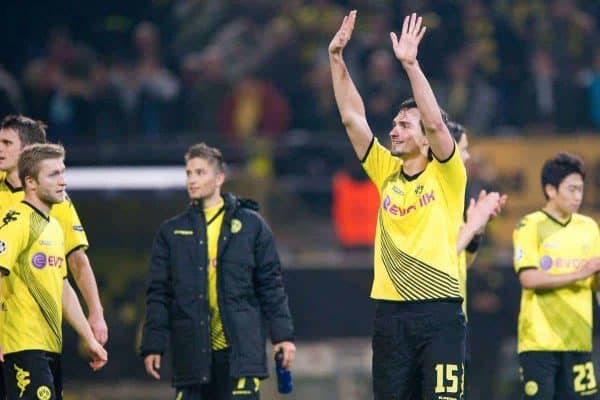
x,y
9,217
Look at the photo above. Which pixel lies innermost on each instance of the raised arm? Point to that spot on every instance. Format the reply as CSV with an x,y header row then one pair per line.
x,y
349,102
406,48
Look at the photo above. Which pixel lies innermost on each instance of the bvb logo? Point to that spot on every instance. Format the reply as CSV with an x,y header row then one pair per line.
x,y
236,225
44,393
531,388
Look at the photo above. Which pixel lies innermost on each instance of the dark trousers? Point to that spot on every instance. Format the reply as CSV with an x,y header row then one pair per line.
x,y
221,386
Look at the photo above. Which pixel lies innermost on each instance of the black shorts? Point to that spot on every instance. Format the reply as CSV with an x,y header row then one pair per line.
x,y
564,375
2,385
33,375
221,386
418,351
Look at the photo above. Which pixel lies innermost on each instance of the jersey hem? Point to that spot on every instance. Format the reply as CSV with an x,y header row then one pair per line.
x,y
362,160
449,157
81,246
440,299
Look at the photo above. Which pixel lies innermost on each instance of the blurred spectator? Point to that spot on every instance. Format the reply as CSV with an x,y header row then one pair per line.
x,y
466,95
148,88
384,90
547,100
317,109
11,98
254,108
69,112
204,87
107,108
568,33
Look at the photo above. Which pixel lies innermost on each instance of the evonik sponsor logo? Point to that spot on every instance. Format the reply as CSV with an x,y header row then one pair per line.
x,y
399,211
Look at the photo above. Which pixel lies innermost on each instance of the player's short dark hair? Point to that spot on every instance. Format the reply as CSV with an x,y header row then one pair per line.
x,y
456,130
556,169
32,155
211,154
30,131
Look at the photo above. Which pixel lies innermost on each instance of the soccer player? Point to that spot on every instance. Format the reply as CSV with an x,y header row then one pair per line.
x,y
556,254
419,334
36,291
214,274
16,132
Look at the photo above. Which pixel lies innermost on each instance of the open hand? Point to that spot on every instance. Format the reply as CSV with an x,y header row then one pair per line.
x,y
406,48
343,35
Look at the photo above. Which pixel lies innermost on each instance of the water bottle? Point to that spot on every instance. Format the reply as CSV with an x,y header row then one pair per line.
x,y
284,376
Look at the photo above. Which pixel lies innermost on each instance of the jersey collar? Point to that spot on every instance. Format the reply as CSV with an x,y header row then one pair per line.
x,y
563,224
46,217
12,188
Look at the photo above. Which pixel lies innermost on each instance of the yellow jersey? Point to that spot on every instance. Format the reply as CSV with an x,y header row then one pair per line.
x,y
417,227
555,319
32,257
65,213
214,220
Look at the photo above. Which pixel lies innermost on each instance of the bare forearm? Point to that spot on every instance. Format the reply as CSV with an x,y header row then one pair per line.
x,y
465,235
536,279
82,272
73,312
424,97
347,97
350,106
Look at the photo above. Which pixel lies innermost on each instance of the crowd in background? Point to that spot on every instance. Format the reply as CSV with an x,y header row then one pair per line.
x,y
237,69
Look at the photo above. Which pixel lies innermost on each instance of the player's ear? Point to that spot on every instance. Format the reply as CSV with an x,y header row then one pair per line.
x,y
550,191
220,178
29,180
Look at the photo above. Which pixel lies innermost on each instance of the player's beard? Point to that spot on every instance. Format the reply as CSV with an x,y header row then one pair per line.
x,y
51,199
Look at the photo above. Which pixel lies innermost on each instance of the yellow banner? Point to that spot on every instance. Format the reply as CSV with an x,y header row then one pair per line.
x,y
514,166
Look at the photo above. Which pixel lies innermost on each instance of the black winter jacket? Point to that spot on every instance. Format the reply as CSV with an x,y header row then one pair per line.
x,y
249,286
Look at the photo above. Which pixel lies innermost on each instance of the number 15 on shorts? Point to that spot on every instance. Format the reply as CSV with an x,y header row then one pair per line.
x,y
450,379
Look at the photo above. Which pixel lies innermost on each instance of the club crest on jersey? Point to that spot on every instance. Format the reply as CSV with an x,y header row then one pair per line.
x,y
419,189
2,246
236,225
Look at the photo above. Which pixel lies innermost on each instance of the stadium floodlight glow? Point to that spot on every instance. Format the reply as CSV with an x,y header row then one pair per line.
x,y
125,178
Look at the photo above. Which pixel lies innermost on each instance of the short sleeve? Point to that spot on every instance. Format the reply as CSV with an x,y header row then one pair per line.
x,y
379,163
452,175
73,231
526,245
